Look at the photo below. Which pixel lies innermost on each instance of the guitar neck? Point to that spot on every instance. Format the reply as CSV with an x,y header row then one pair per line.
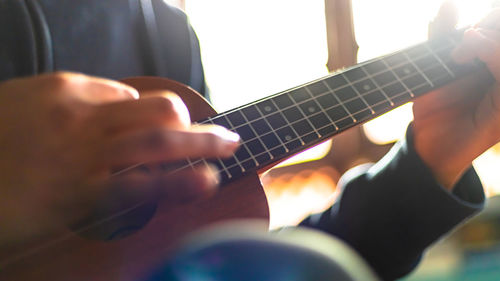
x,y
283,124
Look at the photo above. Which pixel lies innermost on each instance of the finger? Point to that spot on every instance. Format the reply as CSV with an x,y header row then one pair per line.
x,y
181,186
164,108
491,21
483,44
188,185
88,88
171,145
101,200
445,20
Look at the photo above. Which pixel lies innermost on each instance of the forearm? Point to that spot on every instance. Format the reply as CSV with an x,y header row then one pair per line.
x,y
391,212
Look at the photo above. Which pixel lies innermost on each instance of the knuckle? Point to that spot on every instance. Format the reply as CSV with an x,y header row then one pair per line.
x,y
164,106
59,81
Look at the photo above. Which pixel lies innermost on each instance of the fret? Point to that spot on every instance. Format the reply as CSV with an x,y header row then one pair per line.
x,y
374,67
286,134
256,147
307,119
276,120
382,78
281,112
224,174
326,101
260,126
272,141
266,107
438,75
249,164
379,101
354,74
236,171
231,160
303,127
221,121
345,123
395,60
300,94
416,51
419,70
235,118
339,103
358,109
283,101
242,153
364,86
292,114
319,120
310,107
410,75
317,88
264,158
338,113
457,69
218,161
417,83
246,132
439,60
327,130
345,93
254,132
273,133
311,137
405,70
357,74
335,82
250,113
394,90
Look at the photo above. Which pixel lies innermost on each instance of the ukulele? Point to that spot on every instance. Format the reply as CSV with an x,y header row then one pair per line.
x,y
271,130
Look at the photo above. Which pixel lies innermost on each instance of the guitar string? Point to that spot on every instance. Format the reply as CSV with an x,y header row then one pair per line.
x,y
361,65
331,92
328,125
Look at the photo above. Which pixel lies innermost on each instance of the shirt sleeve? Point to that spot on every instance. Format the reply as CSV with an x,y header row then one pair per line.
x,y
390,212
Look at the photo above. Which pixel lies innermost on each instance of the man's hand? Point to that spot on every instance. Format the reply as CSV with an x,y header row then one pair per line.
x,y
454,125
61,135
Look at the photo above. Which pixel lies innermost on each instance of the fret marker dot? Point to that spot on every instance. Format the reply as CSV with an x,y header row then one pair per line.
x,y
407,71
311,109
366,87
267,108
288,138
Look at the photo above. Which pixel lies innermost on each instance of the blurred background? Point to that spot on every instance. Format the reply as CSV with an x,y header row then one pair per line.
x,y
252,49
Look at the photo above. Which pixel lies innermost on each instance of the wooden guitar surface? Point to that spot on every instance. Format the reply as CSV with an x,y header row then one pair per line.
x,y
67,256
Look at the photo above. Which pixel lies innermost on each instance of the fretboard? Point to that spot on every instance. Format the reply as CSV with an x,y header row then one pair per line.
x,y
283,124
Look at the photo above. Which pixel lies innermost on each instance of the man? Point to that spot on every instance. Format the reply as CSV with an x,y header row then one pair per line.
x,y
66,130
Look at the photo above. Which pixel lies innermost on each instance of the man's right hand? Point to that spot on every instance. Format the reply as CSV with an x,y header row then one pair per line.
x,y
61,135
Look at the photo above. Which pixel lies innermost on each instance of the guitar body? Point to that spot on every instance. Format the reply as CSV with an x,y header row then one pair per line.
x,y
67,256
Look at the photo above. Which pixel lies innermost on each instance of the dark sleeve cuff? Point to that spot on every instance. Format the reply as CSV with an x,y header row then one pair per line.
x,y
393,210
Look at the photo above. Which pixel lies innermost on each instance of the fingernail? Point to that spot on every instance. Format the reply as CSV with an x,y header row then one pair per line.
x,y
229,137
